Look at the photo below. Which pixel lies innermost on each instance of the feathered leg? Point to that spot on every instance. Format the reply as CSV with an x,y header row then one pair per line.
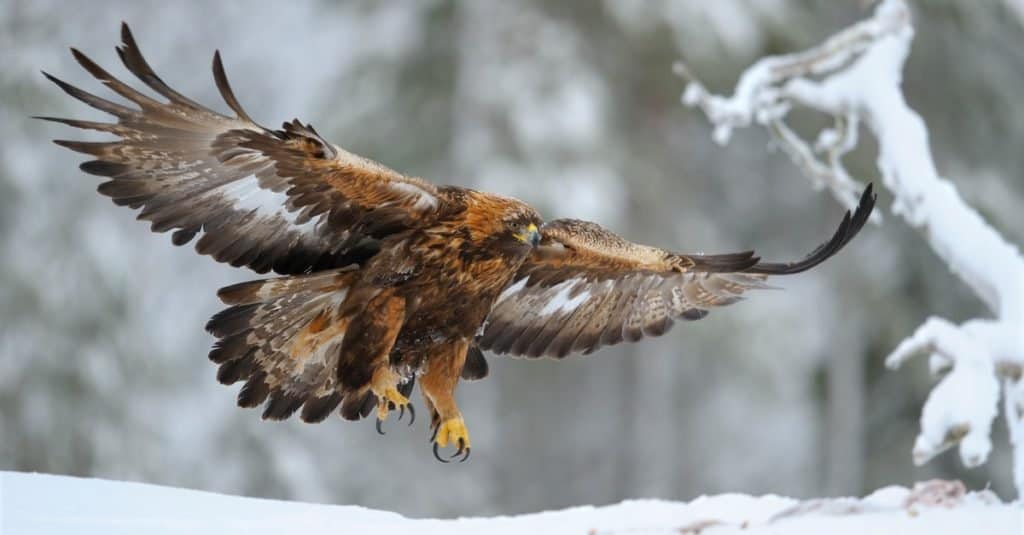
x,y
365,364
438,386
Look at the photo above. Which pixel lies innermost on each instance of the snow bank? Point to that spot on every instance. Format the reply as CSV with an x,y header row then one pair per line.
x,y
40,504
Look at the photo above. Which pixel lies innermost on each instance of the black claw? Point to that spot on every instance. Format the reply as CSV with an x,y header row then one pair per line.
x,y
462,448
433,435
401,413
438,455
380,430
465,457
412,414
391,405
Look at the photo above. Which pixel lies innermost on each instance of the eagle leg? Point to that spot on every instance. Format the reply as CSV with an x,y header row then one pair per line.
x,y
364,364
438,385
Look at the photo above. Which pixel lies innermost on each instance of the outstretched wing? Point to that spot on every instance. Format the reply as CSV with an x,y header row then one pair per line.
x,y
285,200
584,287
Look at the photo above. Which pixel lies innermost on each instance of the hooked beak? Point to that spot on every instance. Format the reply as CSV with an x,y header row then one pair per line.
x,y
530,235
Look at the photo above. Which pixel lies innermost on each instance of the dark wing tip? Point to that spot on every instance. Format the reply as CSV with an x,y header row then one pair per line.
x,y
52,78
848,228
102,168
92,67
132,58
693,314
128,49
126,34
88,98
221,78
83,60
724,263
64,86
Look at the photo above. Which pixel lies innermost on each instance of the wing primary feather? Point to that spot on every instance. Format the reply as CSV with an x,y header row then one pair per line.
x,y
693,314
185,235
848,228
131,56
102,168
113,83
95,148
101,104
225,89
85,125
724,263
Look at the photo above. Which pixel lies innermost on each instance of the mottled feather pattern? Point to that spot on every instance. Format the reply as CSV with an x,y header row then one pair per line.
x,y
283,200
585,287
269,289
602,306
615,251
283,337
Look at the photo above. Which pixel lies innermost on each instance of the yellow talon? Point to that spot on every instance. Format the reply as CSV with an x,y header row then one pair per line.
x,y
390,395
453,432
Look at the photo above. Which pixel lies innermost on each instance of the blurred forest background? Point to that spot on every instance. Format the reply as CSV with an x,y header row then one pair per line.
x,y
573,107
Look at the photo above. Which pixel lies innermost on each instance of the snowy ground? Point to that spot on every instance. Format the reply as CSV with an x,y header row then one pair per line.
x,y
40,504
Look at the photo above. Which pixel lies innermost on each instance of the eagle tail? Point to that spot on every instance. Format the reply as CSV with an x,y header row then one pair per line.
x,y
247,293
283,337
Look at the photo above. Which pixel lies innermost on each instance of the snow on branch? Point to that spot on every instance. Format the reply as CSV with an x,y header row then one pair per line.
x,y
855,76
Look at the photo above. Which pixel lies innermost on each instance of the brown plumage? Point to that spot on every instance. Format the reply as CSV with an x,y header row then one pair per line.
x,y
385,279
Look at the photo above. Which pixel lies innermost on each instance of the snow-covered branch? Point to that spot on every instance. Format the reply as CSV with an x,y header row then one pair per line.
x,y
855,76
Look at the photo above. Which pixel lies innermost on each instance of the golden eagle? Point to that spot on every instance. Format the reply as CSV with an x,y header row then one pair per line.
x,y
385,279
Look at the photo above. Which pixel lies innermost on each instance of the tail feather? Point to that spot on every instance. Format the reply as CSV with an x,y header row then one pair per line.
x,y
283,337
356,407
258,291
475,367
317,409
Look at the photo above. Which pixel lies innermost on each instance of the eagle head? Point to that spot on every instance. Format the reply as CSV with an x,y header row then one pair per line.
x,y
521,226
509,225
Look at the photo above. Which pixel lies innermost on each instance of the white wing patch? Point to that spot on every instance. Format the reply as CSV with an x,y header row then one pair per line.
x,y
511,290
246,195
424,200
562,302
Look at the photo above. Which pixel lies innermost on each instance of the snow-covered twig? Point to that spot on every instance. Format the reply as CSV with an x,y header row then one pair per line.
x,y
855,76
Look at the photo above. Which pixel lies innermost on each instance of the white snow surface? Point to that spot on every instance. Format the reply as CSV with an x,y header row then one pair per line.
x,y
42,504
